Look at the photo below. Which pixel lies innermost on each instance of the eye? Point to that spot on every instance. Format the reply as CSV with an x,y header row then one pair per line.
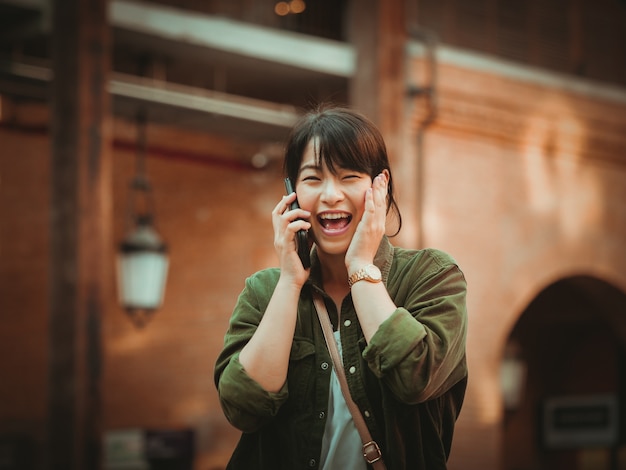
x,y
310,178
351,176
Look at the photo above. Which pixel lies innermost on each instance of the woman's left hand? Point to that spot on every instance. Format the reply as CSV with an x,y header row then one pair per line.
x,y
371,228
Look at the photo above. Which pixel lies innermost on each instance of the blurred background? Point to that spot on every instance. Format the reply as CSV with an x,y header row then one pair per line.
x,y
140,158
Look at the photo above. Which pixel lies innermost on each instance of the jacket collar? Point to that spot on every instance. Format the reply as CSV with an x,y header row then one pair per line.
x,y
383,259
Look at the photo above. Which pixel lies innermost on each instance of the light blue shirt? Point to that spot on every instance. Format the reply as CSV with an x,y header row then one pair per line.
x,y
341,443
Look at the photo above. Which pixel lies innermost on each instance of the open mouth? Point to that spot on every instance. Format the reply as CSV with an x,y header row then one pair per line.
x,y
334,221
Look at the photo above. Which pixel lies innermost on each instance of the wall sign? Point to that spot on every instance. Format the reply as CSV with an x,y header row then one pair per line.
x,y
580,421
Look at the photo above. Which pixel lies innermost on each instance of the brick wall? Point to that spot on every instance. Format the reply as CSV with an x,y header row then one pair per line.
x,y
23,279
524,183
212,210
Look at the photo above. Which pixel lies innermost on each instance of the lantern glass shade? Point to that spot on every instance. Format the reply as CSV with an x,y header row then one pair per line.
x,y
142,269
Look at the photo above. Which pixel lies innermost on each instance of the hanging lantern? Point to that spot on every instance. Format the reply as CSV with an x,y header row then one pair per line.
x,y
142,257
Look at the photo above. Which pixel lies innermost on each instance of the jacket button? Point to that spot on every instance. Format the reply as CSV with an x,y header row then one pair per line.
x,y
352,369
324,365
347,323
312,463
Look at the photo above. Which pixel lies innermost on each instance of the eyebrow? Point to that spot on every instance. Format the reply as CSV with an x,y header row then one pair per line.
x,y
310,167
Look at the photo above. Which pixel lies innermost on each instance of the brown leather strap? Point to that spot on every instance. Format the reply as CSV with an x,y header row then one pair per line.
x,y
371,451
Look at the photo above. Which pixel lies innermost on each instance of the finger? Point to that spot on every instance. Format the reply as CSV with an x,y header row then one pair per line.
x,y
380,190
372,195
284,203
298,225
370,204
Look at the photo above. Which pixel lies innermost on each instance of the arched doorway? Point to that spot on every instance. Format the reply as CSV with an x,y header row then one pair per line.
x,y
567,355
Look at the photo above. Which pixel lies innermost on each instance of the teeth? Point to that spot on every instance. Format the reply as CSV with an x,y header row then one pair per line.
x,y
334,216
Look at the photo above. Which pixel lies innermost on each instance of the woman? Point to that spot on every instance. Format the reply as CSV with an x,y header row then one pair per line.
x,y
399,316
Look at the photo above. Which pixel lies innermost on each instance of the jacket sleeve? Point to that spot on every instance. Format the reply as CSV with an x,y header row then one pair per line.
x,y
419,352
246,405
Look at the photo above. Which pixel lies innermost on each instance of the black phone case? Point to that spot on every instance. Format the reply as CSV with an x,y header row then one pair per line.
x,y
302,239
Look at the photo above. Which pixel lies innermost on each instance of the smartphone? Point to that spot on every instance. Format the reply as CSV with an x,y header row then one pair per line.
x,y
302,239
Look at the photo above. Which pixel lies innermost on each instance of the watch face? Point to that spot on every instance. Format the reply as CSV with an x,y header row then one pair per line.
x,y
373,272
369,273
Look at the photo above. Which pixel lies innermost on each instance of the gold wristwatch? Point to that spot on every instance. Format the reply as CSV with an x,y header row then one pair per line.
x,y
369,273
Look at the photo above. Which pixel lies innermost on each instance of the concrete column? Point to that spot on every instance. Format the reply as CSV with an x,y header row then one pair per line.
x,y
378,31
80,226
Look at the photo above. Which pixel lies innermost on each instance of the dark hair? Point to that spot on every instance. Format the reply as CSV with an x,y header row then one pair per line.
x,y
346,139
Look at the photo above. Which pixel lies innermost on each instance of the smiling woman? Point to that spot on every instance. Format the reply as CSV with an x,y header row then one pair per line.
x,y
339,141
399,318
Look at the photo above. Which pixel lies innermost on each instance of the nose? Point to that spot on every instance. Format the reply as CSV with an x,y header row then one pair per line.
x,y
331,191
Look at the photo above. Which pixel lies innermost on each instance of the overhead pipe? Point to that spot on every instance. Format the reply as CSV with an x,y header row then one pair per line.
x,y
153,150
278,118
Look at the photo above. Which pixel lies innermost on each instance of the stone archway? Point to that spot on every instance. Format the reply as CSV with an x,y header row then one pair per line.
x,y
571,342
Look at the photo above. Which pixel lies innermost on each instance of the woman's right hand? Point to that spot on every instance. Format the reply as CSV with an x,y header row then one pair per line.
x,y
286,224
265,357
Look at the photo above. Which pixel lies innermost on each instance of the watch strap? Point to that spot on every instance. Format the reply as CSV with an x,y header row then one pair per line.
x,y
361,274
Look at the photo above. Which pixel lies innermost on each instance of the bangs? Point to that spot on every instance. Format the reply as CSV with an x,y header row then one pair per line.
x,y
343,139
343,144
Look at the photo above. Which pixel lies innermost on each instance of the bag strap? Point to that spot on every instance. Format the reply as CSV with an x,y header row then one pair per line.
x,y
371,451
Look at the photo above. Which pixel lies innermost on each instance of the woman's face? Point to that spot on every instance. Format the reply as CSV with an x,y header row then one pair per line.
x,y
336,201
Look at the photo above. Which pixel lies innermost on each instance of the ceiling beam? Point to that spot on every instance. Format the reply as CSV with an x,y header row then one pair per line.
x,y
181,27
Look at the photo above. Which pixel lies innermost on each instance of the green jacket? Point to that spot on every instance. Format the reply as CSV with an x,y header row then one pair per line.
x,y
409,381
